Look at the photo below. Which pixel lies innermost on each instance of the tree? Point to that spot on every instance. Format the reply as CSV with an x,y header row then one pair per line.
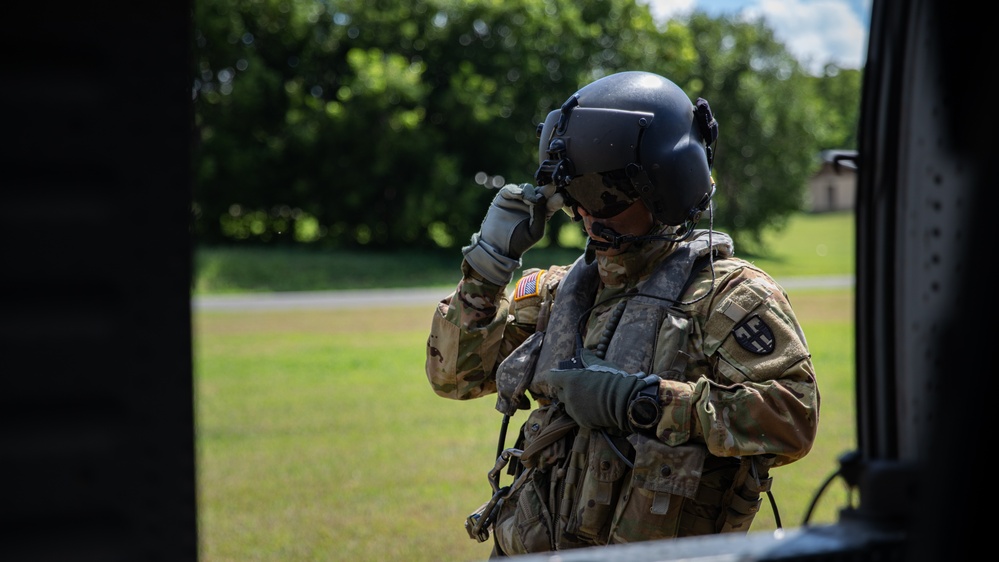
x,y
377,123
838,90
383,124
767,111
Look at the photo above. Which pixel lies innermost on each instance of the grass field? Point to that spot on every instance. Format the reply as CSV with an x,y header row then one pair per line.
x,y
319,437
810,245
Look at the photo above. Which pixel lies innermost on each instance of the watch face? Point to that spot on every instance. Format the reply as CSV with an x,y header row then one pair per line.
x,y
644,412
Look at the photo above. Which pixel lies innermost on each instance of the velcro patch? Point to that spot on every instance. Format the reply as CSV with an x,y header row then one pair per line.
x,y
528,286
755,336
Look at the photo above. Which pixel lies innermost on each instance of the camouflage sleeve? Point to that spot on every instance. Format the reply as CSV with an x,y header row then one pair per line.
x,y
754,391
530,303
465,336
477,326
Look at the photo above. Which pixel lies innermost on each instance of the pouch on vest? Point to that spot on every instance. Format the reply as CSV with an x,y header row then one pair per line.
x,y
525,522
746,500
515,373
661,481
594,479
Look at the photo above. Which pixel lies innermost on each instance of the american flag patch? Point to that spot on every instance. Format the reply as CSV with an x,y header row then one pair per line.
x,y
528,286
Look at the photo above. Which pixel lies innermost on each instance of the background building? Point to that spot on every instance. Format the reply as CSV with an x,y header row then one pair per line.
x,y
834,186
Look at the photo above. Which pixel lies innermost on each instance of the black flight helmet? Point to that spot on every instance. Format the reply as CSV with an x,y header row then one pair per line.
x,y
627,136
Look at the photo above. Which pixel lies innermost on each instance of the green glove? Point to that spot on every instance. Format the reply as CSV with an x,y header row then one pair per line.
x,y
514,222
596,393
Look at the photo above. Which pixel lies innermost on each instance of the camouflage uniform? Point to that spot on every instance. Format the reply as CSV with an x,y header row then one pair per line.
x,y
738,394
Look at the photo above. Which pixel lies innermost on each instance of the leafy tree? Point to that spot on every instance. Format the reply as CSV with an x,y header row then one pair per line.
x,y
838,91
376,123
767,110
381,123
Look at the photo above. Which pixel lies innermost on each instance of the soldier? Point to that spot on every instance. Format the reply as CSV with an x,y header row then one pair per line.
x,y
668,376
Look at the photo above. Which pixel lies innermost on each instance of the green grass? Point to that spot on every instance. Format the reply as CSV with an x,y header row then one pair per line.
x,y
319,438
810,245
821,244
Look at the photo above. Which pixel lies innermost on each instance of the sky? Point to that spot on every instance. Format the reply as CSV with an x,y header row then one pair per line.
x,y
817,32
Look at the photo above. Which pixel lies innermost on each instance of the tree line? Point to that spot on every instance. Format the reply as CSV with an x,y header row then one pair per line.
x,y
382,124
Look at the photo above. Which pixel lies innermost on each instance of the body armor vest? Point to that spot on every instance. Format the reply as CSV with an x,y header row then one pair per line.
x,y
585,488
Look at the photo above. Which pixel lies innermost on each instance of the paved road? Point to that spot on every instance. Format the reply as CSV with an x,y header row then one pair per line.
x,y
319,299
401,297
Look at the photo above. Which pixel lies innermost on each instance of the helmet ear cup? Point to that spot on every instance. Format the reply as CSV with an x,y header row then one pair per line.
x,y
708,127
679,176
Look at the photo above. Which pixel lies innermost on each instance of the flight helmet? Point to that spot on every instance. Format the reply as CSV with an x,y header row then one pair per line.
x,y
628,136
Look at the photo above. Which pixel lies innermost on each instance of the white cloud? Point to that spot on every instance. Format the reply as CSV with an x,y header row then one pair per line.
x,y
815,31
663,10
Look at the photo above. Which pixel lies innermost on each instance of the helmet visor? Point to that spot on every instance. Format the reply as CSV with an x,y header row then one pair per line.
x,y
602,195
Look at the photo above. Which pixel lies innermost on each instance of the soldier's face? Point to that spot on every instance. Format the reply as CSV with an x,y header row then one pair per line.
x,y
635,220
603,195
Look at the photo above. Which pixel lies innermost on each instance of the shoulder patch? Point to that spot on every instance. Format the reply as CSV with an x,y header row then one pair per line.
x,y
754,335
528,286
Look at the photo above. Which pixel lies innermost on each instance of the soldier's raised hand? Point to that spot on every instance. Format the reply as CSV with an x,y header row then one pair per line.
x,y
514,222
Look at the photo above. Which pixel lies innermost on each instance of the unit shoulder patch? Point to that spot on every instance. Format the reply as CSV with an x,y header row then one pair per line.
x,y
754,335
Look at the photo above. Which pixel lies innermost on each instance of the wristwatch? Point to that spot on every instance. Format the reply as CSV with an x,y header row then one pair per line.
x,y
644,411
